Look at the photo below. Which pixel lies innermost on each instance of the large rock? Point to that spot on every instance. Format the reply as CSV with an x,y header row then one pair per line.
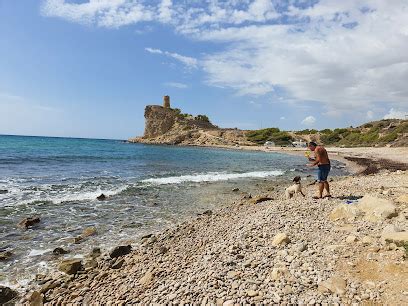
x,y
89,231
334,284
347,212
399,238
376,209
280,238
6,294
28,222
70,266
120,251
5,255
34,298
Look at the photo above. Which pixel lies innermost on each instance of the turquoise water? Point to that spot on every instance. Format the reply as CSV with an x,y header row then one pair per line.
x,y
148,188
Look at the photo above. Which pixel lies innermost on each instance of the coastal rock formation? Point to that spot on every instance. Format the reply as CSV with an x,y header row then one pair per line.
x,y
165,125
27,222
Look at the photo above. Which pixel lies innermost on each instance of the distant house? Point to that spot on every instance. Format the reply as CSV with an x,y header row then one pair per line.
x,y
269,144
299,144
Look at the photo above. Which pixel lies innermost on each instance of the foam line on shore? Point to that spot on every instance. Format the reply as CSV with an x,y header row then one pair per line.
x,y
211,177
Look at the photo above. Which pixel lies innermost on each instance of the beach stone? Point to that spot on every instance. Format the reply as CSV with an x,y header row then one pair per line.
x,y
334,284
351,239
3,191
70,266
6,294
390,228
34,298
399,238
252,293
5,255
228,303
235,189
96,252
260,199
402,199
120,251
367,240
280,238
27,222
101,197
279,273
147,278
59,251
376,209
348,212
233,274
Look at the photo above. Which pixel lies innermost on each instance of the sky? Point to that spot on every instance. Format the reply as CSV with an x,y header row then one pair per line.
x,y
78,68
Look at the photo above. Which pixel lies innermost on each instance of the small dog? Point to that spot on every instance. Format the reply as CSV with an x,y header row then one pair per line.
x,y
295,188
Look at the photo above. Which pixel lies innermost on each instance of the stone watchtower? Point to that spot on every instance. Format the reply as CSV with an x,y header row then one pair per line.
x,y
166,101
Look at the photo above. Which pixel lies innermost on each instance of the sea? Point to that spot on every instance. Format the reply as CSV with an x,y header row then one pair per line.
x,y
148,188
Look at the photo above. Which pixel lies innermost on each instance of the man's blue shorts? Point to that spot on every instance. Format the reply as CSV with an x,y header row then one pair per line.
x,y
323,172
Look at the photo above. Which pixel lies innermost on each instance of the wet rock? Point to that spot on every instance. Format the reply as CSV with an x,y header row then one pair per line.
x,y
59,251
118,264
334,284
5,255
96,252
146,236
101,197
206,213
28,222
3,191
70,266
34,298
280,238
89,231
235,189
120,251
6,294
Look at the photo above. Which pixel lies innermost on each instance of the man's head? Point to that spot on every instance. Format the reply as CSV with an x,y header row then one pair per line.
x,y
312,145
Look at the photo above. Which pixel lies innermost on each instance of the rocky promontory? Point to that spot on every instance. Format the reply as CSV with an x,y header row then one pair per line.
x,y
166,125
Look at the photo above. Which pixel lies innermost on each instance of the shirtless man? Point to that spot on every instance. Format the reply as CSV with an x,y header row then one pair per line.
x,y
322,161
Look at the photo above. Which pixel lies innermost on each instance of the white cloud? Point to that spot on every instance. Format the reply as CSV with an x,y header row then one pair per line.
x,y
186,60
342,54
370,114
309,120
396,114
282,118
176,85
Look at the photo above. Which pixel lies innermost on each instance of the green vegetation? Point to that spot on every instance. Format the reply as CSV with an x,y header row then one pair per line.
x,y
203,118
279,137
306,132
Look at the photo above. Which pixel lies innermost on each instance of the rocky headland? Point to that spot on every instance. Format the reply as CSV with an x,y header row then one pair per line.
x,y
264,249
166,125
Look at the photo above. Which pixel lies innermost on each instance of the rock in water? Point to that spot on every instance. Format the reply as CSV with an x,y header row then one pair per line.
x,y
89,231
27,222
59,251
3,191
120,251
70,266
5,255
6,294
101,197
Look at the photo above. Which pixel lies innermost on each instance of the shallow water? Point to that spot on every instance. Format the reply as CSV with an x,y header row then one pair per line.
x,y
149,188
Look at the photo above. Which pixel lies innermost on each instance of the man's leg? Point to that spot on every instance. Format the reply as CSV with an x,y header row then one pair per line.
x,y
327,187
321,187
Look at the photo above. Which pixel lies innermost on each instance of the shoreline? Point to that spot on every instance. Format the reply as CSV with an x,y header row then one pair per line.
x,y
230,255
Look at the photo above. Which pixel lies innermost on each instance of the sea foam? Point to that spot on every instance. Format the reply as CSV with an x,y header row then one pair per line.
x,y
211,177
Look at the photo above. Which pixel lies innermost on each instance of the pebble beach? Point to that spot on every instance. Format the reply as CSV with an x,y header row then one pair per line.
x,y
260,249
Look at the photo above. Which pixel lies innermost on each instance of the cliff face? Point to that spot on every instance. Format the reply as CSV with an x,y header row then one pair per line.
x,y
159,120
167,126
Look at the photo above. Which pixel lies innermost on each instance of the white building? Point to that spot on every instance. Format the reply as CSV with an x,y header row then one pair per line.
x,y
299,144
269,144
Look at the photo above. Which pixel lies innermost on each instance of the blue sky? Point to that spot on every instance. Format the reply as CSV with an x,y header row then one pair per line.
x,y
88,68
